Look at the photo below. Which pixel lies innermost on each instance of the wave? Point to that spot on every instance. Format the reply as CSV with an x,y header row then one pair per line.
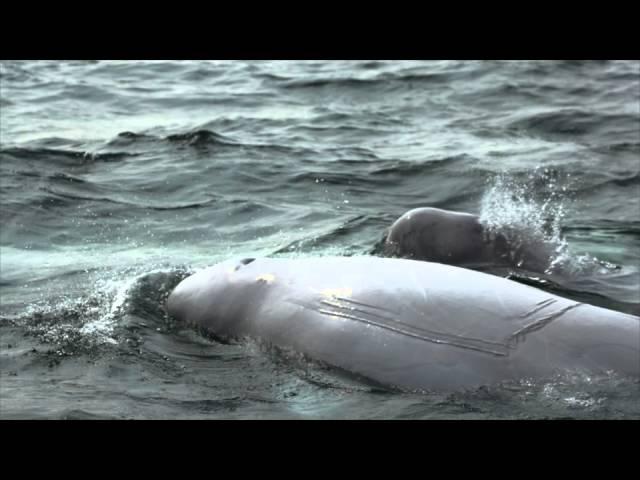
x,y
407,168
60,156
631,147
44,150
338,82
383,79
200,138
92,198
574,122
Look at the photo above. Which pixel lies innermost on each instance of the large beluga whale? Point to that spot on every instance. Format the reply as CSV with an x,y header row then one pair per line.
x,y
408,324
458,238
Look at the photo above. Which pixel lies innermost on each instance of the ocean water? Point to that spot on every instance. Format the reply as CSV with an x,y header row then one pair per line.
x,y
119,178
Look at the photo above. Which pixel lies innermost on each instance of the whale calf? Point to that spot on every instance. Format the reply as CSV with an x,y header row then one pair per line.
x,y
460,239
408,324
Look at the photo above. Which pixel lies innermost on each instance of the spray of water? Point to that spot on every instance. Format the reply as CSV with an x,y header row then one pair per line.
x,y
528,211
82,322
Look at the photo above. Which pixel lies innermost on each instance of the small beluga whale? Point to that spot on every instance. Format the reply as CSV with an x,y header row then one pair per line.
x,y
460,239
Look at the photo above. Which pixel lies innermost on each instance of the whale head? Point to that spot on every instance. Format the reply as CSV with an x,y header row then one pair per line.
x,y
209,297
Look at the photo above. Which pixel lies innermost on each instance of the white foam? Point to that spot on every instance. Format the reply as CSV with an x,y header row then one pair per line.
x,y
102,328
528,211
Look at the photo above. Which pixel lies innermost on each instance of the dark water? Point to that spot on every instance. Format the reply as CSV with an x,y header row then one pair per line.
x,y
119,178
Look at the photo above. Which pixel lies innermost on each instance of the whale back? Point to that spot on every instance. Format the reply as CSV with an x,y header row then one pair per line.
x,y
415,324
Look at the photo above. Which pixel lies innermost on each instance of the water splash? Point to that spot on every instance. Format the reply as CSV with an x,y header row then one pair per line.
x,y
77,324
528,211
102,326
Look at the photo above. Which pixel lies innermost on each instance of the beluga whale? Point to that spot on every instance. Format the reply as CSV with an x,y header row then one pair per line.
x,y
460,239
408,324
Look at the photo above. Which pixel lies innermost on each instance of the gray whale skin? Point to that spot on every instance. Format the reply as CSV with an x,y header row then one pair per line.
x,y
408,324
